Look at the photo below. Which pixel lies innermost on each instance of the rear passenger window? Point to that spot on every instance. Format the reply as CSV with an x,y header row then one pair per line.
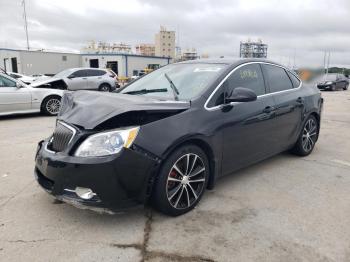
x,y
277,78
249,76
95,72
295,80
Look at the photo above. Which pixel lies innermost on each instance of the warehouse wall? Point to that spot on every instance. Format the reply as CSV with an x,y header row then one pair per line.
x,y
140,63
5,59
47,63
103,60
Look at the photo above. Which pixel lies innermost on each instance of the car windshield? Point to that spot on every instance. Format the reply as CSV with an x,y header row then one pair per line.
x,y
64,73
176,81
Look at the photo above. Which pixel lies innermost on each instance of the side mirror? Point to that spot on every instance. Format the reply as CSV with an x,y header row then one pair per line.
x,y
71,76
240,94
19,85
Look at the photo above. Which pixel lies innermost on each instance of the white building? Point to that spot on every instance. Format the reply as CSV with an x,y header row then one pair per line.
x,y
42,62
37,62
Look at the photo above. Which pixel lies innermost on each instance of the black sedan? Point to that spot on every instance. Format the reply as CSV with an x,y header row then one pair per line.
x,y
333,82
171,134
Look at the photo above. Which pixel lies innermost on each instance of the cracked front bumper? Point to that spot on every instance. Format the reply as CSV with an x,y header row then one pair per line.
x,y
119,181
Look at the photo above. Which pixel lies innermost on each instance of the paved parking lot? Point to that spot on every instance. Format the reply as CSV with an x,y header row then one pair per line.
x,y
284,209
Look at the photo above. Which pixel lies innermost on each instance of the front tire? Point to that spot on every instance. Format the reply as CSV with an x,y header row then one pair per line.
x,y
51,105
181,181
307,138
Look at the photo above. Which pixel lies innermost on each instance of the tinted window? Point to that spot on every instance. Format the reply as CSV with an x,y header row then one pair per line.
x,y
249,76
5,82
95,73
295,80
277,78
79,73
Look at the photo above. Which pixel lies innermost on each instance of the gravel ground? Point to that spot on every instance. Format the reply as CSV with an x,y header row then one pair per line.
x,y
283,209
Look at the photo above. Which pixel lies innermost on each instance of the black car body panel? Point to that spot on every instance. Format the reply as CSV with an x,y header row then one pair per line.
x,y
233,135
88,110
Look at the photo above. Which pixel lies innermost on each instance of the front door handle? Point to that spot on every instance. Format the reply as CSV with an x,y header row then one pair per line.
x,y
269,109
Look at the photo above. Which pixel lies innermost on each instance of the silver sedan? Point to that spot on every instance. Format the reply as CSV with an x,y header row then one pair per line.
x,y
18,98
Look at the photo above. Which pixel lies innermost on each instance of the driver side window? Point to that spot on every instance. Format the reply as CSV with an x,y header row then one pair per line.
x,y
248,76
5,82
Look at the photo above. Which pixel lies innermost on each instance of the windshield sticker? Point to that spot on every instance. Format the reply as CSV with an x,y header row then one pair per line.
x,y
207,69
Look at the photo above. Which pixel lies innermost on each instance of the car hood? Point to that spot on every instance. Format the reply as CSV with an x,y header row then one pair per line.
x,y
88,109
40,82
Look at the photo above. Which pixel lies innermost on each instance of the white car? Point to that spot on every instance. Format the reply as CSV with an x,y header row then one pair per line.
x,y
25,79
81,79
19,98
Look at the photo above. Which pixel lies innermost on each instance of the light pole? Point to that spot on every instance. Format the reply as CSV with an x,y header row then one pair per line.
x,y
25,21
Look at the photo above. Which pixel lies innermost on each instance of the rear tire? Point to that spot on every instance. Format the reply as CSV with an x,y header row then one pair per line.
x,y
307,138
182,181
104,88
51,105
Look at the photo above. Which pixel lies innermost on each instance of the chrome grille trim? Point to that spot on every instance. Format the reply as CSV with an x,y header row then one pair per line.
x,y
62,137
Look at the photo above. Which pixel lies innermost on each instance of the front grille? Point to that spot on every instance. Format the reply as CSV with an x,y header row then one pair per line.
x,y
61,137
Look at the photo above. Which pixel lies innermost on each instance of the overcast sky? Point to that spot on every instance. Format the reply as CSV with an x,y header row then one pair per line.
x,y
302,27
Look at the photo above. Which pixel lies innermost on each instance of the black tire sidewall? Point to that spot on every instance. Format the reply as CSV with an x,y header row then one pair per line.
x,y
159,195
104,85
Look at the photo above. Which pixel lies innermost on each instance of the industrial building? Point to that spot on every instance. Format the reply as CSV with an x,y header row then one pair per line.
x,y
146,49
165,43
42,62
37,62
249,49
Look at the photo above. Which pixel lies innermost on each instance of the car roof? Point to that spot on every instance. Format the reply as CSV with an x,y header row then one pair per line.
x,y
229,61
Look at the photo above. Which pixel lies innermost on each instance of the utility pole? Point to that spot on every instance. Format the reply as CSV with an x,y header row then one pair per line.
x,y
25,21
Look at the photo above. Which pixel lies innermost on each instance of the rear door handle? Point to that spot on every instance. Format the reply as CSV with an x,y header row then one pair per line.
x,y
269,109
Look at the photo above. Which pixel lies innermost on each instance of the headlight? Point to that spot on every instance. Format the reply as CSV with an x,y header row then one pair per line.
x,y
107,143
329,83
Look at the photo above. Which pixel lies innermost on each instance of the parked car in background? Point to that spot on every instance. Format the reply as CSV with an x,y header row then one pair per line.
x,y
25,79
169,135
38,77
19,98
333,82
80,79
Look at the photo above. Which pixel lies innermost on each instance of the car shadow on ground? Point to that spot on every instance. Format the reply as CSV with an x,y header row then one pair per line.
x,y
22,116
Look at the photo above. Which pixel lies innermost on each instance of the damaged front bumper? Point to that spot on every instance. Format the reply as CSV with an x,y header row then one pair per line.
x,y
116,182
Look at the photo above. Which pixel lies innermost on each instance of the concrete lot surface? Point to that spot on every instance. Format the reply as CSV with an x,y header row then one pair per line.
x,y
283,209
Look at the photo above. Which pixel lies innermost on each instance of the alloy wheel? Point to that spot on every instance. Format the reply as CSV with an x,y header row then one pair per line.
x,y
186,181
53,106
104,88
309,135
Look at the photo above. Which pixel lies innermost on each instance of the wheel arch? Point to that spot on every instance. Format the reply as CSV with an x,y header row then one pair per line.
x,y
207,149
104,83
